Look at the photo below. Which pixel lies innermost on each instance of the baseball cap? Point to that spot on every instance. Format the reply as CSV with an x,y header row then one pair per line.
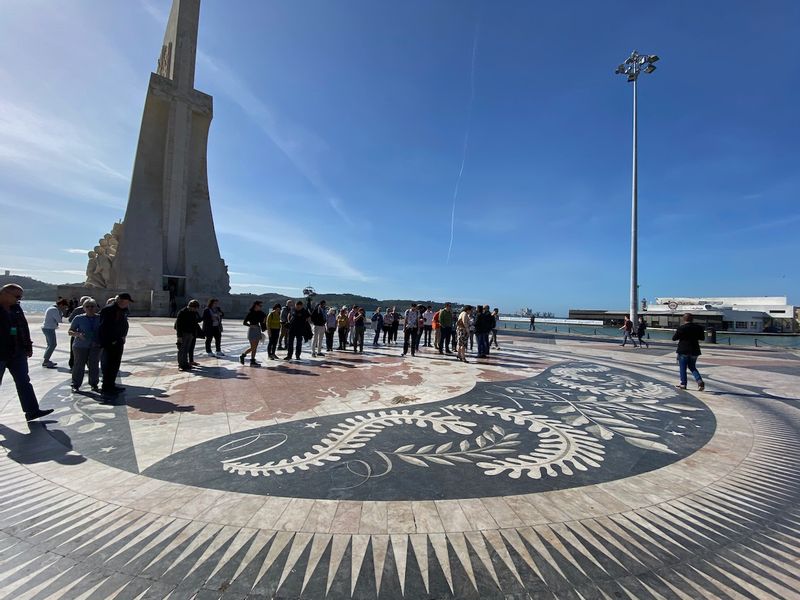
x,y
124,296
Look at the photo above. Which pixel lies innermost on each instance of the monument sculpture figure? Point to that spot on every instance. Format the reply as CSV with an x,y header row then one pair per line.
x,y
167,240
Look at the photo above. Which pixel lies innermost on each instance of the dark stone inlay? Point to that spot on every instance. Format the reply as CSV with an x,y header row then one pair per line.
x,y
575,424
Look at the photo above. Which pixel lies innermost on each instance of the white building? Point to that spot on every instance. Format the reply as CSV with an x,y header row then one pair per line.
x,y
751,314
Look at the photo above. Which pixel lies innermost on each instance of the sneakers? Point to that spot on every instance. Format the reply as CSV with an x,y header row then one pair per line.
x,y
95,388
241,358
701,386
680,386
209,354
220,354
255,363
38,414
74,389
49,364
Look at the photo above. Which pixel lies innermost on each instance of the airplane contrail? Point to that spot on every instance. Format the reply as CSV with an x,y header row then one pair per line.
x,y
466,142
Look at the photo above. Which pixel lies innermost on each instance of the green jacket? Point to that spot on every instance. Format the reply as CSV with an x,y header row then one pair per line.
x,y
446,318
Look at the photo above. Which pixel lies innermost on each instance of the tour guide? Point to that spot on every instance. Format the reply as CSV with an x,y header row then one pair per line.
x,y
112,333
16,348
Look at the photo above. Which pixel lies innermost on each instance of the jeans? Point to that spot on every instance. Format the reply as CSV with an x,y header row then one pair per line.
x,y
447,334
216,333
110,360
410,339
50,337
343,338
284,335
471,339
17,365
272,346
483,344
86,357
377,335
319,335
185,349
295,339
642,341
329,338
686,361
628,336
427,333
393,332
358,339
493,341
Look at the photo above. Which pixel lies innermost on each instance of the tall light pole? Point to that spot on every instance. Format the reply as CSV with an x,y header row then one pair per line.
x,y
634,65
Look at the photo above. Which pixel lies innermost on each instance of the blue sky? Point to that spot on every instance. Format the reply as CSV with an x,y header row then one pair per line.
x,y
339,134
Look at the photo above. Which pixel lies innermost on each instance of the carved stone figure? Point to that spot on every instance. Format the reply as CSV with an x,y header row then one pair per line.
x,y
92,279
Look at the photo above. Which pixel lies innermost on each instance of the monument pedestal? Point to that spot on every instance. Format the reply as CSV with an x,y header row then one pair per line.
x,y
146,303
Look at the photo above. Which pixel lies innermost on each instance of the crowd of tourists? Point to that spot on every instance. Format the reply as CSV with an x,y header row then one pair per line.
x,y
286,328
97,336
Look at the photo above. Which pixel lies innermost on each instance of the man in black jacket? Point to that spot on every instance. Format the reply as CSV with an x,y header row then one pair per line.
x,y
112,333
186,328
689,335
299,330
16,348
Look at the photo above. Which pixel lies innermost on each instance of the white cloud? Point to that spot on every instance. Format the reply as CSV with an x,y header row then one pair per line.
x,y
282,239
296,142
76,251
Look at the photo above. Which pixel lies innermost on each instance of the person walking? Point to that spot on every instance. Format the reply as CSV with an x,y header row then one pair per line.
x,y
495,325
446,322
532,326
52,317
274,331
212,326
299,330
343,325
377,324
330,328
627,332
256,323
16,348
186,324
319,317
388,321
420,328
360,326
462,332
86,349
427,326
689,335
410,325
286,315
641,330
74,312
112,333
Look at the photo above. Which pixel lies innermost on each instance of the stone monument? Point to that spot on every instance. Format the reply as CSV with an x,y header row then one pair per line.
x,y
166,246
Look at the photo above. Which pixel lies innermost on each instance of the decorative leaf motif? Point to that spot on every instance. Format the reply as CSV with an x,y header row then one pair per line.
x,y
576,420
444,447
412,460
71,419
90,427
600,431
404,448
648,445
464,445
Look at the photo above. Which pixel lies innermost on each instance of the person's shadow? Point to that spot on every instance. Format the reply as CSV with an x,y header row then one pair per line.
x,y
39,445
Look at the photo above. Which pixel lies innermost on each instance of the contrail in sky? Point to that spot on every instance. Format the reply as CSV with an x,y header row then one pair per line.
x,y
466,141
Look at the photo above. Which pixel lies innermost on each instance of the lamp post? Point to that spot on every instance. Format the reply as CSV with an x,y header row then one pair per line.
x,y
634,65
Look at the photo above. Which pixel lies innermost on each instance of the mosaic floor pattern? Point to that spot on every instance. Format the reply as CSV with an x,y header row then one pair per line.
x,y
564,469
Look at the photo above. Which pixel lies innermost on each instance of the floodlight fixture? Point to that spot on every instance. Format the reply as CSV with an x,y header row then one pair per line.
x,y
632,67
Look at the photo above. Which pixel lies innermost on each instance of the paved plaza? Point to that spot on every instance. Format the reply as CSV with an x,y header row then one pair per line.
x,y
559,468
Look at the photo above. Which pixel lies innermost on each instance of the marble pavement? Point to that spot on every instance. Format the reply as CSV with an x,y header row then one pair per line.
x,y
559,468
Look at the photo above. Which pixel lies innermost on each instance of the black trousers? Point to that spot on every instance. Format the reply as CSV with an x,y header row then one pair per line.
x,y
272,346
216,333
343,331
110,361
427,330
294,339
329,338
410,338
